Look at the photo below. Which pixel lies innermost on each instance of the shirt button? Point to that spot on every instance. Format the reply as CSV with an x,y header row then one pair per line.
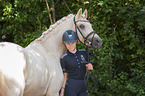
x,y
77,60
78,63
79,66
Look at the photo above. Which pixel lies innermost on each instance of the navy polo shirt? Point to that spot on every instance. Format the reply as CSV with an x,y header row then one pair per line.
x,y
74,64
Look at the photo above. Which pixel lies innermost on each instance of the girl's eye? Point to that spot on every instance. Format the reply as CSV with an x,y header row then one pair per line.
x,y
82,26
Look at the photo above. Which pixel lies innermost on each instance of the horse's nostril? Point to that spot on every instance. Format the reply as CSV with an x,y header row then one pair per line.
x,y
97,41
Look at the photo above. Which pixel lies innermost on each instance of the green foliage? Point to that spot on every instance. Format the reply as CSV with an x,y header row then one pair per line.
x,y
22,17
119,63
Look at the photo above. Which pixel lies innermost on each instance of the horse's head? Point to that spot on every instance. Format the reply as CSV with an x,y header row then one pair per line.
x,y
84,30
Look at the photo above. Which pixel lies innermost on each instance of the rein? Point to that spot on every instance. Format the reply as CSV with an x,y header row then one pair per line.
x,y
89,73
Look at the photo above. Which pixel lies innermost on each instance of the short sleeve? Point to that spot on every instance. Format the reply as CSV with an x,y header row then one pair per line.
x,y
63,65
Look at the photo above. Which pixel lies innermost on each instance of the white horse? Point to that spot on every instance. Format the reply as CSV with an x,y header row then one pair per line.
x,y
35,70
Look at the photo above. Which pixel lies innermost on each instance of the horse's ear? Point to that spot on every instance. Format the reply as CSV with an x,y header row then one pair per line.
x,y
79,13
85,13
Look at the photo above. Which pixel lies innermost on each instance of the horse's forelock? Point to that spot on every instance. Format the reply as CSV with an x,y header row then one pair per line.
x,y
83,16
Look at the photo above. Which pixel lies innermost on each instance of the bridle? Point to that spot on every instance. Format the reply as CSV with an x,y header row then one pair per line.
x,y
89,72
85,38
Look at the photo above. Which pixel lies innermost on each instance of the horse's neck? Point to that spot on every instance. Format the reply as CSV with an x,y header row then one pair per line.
x,y
52,42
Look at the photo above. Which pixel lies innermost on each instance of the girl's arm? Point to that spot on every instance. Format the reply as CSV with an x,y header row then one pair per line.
x,y
63,85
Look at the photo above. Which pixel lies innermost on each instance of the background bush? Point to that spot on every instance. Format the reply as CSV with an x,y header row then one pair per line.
x,y
120,62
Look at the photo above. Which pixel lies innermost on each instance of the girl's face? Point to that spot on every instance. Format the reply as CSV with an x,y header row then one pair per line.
x,y
71,46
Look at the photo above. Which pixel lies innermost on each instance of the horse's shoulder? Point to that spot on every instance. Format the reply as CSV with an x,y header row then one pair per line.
x,y
64,55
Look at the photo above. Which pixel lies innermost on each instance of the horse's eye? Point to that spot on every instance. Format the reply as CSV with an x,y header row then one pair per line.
x,y
82,26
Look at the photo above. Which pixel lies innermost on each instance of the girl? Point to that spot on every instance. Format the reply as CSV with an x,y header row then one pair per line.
x,y
74,66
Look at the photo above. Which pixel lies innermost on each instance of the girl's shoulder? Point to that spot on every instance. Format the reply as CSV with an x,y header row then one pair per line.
x,y
82,50
64,55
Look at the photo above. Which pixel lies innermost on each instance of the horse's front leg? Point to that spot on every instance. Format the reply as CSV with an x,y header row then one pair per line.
x,y
55,83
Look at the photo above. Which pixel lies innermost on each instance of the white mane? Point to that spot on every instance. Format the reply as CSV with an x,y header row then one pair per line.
x,y
52,27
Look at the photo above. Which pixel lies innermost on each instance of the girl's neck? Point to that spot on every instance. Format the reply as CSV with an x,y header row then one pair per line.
x,y
73,51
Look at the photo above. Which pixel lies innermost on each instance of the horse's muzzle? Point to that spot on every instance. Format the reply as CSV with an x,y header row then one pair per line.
x,y
95,40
